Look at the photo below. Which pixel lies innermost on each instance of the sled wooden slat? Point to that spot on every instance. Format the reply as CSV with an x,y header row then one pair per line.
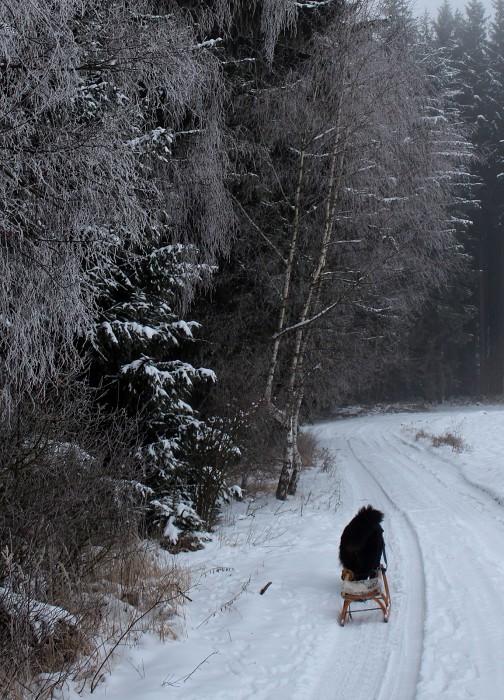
x,y
380,596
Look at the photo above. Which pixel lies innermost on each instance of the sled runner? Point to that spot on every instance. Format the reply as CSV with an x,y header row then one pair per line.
x,y
374,589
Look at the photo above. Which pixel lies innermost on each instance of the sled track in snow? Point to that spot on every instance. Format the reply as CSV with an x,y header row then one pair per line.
x,y
459,529
368,658
402,669
444,538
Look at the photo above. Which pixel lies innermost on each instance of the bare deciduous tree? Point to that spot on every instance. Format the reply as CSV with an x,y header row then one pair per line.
x,y
372,159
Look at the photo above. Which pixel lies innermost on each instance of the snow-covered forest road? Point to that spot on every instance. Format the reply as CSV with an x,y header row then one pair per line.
x,y
445,542
444,529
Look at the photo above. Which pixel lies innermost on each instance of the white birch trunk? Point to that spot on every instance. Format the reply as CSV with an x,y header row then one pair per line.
x,y
289,475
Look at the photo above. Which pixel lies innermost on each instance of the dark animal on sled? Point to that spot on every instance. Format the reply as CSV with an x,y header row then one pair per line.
x,y
364,578
361,544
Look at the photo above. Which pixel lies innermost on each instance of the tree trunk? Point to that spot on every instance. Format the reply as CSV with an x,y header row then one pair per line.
x,y
297,462
287,282
289,476
288,464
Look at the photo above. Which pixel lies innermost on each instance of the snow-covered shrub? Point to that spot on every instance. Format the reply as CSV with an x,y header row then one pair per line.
x,y
40,642
125,590
452,437
65,477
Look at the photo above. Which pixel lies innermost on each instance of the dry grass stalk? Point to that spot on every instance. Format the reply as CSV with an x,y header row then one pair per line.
x,y
130,590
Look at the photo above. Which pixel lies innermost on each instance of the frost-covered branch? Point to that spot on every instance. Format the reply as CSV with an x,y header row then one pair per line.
x,y
87,167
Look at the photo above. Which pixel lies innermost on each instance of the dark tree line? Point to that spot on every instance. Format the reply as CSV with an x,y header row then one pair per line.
x,y
457,348
476,51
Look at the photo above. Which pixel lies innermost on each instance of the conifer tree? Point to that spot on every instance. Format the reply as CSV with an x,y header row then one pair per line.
x,y
443,26
436,360
479,95
138,343
489,224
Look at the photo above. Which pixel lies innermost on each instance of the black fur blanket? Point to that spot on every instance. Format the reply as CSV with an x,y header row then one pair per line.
x,y
361,543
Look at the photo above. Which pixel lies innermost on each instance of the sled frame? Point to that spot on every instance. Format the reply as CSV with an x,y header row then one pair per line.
x,y
380,596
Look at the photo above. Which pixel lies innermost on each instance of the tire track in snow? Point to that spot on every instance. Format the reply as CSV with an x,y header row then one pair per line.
x,y
499,500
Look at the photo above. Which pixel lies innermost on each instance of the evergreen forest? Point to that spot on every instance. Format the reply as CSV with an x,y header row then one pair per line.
x,y
221,220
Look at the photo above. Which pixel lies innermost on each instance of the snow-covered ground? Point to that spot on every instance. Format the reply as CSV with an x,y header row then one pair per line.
x,y
444,530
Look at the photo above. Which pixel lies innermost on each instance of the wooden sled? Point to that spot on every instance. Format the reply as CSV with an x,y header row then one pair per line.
x,y
375,590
